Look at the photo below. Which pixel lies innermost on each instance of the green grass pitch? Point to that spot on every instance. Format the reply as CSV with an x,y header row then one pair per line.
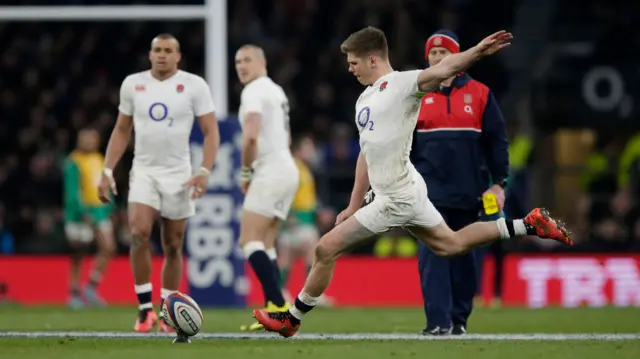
x,y
549,333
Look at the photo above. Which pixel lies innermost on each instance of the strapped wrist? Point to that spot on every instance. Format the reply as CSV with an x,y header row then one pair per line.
x,y
203,172
245,174
108,172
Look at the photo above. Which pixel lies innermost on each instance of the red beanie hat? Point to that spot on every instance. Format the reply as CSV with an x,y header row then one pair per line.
x,y
442,38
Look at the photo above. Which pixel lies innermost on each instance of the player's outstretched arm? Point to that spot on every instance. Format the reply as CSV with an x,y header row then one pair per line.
x,y
430,79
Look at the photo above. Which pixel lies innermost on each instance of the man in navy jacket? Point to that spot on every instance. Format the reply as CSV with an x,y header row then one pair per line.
x,y
460,146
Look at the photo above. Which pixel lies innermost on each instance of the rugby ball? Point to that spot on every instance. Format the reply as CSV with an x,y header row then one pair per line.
x,y
182,313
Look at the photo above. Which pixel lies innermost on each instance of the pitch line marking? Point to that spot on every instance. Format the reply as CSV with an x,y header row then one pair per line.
x,y
328,336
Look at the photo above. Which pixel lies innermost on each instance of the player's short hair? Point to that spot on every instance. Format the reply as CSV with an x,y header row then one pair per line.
x,y
168,36
259,50
368,41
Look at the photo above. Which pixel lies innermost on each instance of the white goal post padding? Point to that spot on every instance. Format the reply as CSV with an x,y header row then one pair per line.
x,y
213,13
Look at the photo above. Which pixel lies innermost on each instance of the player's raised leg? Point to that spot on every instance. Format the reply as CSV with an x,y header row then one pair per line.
x,y
341,239
445,242
172,244
141,218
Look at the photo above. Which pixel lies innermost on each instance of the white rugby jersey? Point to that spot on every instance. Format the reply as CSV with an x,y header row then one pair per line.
x,y
163,114
267,98
386,116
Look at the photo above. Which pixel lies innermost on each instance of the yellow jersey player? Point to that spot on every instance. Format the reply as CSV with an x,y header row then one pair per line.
x,y
86,218
300,233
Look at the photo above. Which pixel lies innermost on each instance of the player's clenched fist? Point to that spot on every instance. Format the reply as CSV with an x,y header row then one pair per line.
x,y
107,183
245,179
198,182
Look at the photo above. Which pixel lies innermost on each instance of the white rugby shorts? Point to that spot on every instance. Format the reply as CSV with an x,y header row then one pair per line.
x,y
297,235
82,232
270,193
166,193
409,207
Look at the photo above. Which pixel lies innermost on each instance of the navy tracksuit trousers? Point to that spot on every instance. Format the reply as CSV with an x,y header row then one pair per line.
x,y
448,284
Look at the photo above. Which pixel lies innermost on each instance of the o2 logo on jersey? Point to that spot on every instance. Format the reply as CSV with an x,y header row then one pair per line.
x,y
363,119
159,112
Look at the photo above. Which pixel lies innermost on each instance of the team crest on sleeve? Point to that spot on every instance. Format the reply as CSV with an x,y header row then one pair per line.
x,y
139,88
383,86
180,88
468,98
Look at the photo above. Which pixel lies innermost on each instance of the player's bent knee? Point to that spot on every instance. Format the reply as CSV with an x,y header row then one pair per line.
x,y
327,250
173,249
141,232
172,245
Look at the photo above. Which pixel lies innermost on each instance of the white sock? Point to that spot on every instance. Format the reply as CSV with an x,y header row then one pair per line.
x,y
296,313
502,228
306,299
519,228
164,293
251,247
272,253
144,289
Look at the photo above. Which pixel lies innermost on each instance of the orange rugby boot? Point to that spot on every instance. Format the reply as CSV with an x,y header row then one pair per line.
x,y
547,227
147,319
281,322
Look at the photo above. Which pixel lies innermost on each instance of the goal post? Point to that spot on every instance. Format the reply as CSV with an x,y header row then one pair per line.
x,y
213,13
215,266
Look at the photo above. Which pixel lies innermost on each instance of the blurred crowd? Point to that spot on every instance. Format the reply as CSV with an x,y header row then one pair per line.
x,y
59,77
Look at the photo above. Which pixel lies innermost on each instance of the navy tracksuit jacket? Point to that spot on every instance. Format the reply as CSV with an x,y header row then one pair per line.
x,y
460,144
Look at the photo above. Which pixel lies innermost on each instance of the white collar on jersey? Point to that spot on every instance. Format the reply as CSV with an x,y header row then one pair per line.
x,y
382,79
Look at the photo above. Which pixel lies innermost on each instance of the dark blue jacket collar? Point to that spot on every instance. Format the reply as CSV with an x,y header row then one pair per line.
x,y
461,80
